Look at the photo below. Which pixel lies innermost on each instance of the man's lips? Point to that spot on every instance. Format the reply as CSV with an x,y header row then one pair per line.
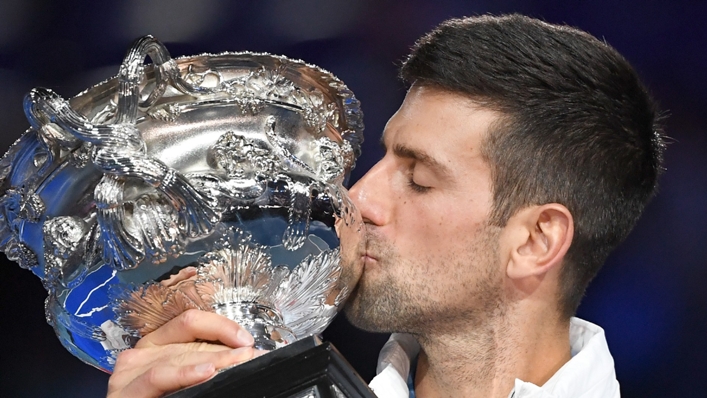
x,y
369,257
370,252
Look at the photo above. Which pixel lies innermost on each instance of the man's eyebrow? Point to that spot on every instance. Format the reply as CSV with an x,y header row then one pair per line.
x,y
405,152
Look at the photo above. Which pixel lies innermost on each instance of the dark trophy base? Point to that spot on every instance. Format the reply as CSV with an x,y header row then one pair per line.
x,y
304,369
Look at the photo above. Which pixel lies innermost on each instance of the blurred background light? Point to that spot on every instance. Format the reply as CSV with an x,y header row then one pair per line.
x,y
305,20
170,20
14,21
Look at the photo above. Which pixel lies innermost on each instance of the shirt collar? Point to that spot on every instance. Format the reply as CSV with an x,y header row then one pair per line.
x,y
590,372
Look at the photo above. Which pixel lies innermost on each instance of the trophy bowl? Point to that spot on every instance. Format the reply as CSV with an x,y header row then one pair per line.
x,y
212,182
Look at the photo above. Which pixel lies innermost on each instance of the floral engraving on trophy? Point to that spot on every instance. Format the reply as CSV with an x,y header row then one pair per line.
x,y
81,157
21,254
31,207
237,279
67,246
241,157
157,223
195,215
168,113
331,158
65,235
207,78
17,208
148,226
271,85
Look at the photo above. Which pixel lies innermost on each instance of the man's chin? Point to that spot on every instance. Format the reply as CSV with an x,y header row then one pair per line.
x,y
353,311
363,321
364,311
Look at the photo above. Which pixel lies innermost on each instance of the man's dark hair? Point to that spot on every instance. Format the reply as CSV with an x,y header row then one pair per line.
x,y
578,127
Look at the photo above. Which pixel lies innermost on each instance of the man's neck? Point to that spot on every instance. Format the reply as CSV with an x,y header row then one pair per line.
x,y
485,361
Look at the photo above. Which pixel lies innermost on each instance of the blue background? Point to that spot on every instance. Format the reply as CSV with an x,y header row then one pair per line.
x,y
651,295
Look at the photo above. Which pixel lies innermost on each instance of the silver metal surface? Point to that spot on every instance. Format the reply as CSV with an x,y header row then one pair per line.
x,y
230,163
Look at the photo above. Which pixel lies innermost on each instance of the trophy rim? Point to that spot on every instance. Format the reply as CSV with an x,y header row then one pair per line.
x,y
328,83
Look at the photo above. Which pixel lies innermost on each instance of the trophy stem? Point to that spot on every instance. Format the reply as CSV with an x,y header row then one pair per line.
x,y
263,322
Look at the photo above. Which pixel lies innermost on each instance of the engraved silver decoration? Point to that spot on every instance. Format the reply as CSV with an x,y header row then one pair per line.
x,y
211,182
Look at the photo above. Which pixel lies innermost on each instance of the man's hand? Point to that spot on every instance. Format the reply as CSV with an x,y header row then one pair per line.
x,y
185,351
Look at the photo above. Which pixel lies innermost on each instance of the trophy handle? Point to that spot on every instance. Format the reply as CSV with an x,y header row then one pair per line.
x,y
132,71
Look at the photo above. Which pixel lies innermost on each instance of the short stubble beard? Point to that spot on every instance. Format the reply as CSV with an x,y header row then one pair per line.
x,y
392,303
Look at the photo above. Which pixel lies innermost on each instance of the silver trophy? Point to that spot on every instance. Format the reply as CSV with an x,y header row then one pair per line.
x,y
211,182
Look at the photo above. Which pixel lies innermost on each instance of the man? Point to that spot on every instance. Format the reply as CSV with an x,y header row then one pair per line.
x,y
521,156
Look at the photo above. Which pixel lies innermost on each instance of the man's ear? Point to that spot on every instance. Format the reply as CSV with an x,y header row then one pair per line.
x,y
539,237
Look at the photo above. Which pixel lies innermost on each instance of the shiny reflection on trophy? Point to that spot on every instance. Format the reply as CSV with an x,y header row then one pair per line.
x,y
211,182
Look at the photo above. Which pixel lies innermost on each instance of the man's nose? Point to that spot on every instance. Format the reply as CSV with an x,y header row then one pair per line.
x,y
369,195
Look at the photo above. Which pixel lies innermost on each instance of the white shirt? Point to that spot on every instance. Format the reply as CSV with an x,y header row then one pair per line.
x,y
589,374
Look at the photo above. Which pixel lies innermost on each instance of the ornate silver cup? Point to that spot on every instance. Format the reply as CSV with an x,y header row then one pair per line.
x,y
210,182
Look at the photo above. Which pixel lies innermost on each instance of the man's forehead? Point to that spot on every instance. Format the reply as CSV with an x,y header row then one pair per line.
x,y
421,156
438,126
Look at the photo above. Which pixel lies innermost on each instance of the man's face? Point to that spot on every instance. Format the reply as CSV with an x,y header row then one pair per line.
x,y
431,257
